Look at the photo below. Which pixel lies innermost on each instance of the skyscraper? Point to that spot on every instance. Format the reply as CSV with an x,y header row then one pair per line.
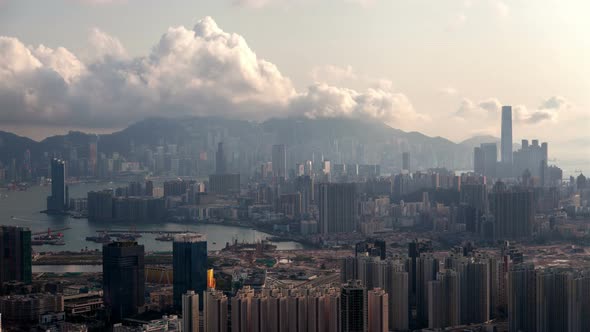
x,y
123,277
552,300
397,287
426,271
444,300
189,264
15,254
513,211
57,201
406,161
338,207
190,312
506,139
579,303
214,311
353,307
522,298
220,166
475,292
279,161
490,159
378,310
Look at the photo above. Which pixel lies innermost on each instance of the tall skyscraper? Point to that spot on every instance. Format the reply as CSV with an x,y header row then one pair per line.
x,y
475,292
123,275
15,254
426,271
406,161
378,310
490,159
397,287
579,303
506,139
522,298
190,312
220,166
279,161
552,300
214,311
338,207
189,264
57,201
353,307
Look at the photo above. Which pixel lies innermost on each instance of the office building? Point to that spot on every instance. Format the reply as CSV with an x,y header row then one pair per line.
x,y
444,300
406,161
489,152
279,161
220,166
513,211
123,276
56,203
190,312
506,139
353,304
224,184
189,264
304,185
378,310
16,254
522,298
532,157
338,208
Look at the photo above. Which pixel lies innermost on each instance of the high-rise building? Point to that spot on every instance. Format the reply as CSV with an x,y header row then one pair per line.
x,y
490,159
426,271
513,211
579,303
214,311
378,310
444,300
15,257
530,157
522,298
189,264
338,207
57,201
475,291
279,161
190,312
304,185
406,161
353,306
220,166
397,286
506,139
552,300
123,275
478,160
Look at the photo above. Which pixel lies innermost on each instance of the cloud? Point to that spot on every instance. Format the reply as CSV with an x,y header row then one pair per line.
x,y
548,110
267,3
449,91
199,71
500,8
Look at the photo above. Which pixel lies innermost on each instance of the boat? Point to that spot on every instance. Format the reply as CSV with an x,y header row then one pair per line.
x,y
128,236
104,238
165,237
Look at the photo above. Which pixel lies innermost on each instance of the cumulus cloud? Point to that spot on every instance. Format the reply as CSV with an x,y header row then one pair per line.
x,y
199,71
548,110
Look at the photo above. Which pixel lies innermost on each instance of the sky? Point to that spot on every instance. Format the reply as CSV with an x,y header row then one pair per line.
x,y
441,67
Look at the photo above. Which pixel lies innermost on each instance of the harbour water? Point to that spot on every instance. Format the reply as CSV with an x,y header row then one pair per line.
x,y
23,208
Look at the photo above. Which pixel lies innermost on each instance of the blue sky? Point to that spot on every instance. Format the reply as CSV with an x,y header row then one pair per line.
x,y
434,66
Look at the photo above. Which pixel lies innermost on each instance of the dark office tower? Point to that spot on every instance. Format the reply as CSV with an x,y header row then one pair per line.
x,y
490,159
444,300
478,161
220,167
426,271
149,188
353,307
552,300
513,211
338,207
279,161
475,292
57,201
475,195
522,298
415,248
579,303
406,161
15,257
506,140
304,185
123,278
189,265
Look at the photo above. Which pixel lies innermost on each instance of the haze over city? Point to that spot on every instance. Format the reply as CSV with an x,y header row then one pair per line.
x,y
294,165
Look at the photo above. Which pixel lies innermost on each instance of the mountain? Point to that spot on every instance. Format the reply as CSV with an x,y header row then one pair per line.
x,y
338,140
478,140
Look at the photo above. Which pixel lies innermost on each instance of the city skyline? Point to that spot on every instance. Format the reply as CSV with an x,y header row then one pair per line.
x,y
256,79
